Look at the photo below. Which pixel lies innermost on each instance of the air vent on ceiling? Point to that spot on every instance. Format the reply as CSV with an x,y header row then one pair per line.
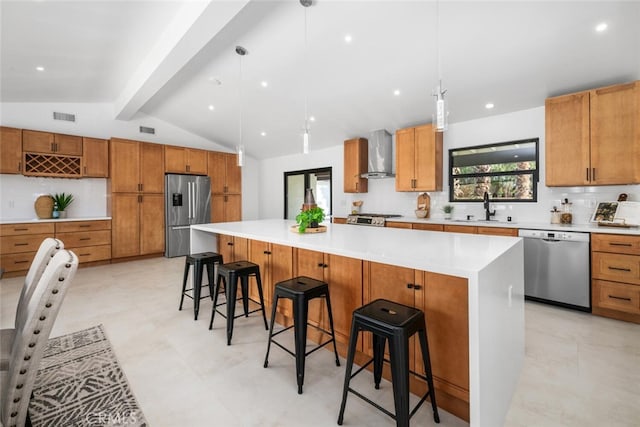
x,y
64,116
145,129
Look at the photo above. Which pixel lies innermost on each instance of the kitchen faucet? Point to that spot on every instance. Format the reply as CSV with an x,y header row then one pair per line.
x,y
487,208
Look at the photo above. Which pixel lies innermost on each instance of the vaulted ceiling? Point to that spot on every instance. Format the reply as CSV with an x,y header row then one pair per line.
x,y
176,60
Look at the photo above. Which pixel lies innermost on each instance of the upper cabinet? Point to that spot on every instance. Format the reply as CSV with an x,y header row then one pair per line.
x,y
185,160
51,143
136,166
356,159
225,174
418,159
95,157
10,150
593,137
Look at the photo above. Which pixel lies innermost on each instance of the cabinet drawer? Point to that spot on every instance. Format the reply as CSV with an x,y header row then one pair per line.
x,y
69,227
93,253
395,224
616,243
27,228
427,227
85,238
616,296
469,229
21,244
615,267
16,262
498,231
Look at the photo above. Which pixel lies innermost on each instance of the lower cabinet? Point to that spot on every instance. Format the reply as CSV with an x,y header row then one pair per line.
x,y
89,240
233,248
276,265
138,224
19,244
615,274
444,300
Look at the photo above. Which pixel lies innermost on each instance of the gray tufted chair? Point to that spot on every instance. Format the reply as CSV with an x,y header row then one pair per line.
x,y
32,336
48,248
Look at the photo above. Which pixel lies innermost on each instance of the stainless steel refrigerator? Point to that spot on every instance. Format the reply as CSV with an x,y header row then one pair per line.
x,y
187,202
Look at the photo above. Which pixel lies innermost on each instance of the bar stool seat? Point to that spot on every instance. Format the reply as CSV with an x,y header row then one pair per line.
x,y
230,273
199,261
388,320
301,290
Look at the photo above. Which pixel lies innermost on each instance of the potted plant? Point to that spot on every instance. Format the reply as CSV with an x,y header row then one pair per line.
x,y
448,211
309,219
61,202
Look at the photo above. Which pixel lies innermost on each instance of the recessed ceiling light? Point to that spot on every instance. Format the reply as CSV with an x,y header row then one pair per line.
x,y
488,105
263,134
40,68
264,84
601,27
211,108
348,38
311,118
396,92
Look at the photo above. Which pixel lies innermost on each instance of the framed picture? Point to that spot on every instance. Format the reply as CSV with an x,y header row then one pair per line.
x,y
605,212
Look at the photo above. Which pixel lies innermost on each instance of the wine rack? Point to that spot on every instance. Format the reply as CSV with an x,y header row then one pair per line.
x,y
52,165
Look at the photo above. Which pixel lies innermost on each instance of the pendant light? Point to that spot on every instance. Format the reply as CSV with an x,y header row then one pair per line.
x,y
305,135
240,148
440,118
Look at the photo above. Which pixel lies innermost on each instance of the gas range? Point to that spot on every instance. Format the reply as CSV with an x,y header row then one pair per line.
x,y
376,220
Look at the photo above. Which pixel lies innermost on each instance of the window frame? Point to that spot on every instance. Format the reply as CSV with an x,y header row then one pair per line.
x,y
535,173
306,173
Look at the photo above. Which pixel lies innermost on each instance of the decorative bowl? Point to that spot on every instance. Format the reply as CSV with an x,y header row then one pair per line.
x,y
421,213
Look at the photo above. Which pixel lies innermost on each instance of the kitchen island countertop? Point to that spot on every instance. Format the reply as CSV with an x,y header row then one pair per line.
x,y
492,265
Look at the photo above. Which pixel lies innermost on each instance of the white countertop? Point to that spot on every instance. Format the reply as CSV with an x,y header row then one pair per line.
x,y
585,228
454,254
36,220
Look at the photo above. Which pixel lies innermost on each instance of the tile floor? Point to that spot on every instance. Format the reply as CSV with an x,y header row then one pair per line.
x,y
580,370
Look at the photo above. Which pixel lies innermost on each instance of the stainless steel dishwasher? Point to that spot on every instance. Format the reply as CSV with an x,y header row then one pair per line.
x,y
556,268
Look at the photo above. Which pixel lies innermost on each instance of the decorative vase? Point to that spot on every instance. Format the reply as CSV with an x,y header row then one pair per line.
x,y
447,216
309,200
63,214
313,224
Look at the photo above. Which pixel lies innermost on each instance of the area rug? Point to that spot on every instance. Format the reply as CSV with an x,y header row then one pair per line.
x,y
81,383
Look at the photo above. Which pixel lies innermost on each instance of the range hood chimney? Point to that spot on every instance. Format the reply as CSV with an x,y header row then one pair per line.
x,y
380,155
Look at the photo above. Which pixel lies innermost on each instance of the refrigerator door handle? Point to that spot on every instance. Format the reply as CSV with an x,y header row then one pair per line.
x,y
181,227
189,198
193,200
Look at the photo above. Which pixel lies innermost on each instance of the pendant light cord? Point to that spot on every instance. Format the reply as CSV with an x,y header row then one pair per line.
x,y
306,70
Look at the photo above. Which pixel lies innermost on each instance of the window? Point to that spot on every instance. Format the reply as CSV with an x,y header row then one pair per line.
x,y
508,171
295,184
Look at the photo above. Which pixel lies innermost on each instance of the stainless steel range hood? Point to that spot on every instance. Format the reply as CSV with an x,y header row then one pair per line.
x,y
380,155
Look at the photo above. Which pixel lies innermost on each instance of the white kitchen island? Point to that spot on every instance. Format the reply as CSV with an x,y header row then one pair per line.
x,y
492,265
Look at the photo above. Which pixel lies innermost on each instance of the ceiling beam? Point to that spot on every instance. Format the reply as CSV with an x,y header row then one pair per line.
x,y
195,25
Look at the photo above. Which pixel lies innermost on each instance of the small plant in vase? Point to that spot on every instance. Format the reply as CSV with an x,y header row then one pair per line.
x,y
448,211
309,219
61,202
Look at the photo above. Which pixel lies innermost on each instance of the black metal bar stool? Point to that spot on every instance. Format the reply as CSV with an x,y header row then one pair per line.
x,y
199,261
395,322
230,273
300,290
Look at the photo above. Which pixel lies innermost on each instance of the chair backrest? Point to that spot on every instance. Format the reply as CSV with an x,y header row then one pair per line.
x,y
48,248
31,340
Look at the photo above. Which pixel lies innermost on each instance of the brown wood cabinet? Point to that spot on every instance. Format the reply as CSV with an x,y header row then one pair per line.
x,y
397,224
19,244
233,248
356,158
336,220
136,167
10,150
615,274
226,187
427,227
185,160
444,301
593,137
51,143
418,159
469,229
138,224
89,240
344,276
276,265
95,157
498,231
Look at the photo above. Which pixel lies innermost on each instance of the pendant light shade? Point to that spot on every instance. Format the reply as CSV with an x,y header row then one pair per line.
x,y
240,148
305,136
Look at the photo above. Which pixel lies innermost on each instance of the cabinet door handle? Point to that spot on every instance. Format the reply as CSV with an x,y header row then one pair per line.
x,y
24,261
320,265
229,243
410,285
588,176
141,187
139,199
19,166
619,269
620,298
85,238
620,244
85,254
593,173
356,187
417,287
20,244
20,229
266,252
325,265
84,225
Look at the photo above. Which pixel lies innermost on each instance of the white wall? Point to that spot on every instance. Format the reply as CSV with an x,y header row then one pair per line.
x,y
18,193
382,197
